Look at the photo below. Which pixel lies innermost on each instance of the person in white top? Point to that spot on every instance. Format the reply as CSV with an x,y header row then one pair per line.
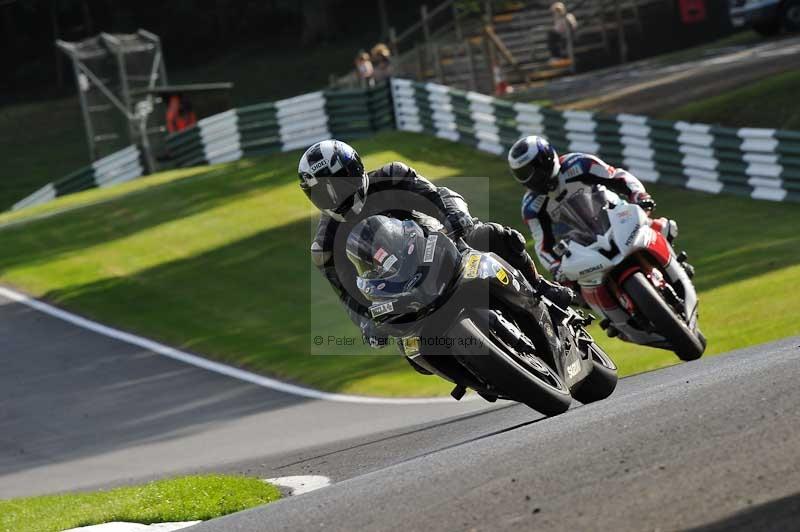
x,y
564,26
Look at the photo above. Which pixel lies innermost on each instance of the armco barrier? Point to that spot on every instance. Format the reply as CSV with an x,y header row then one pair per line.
x,y
118,167
760,163
284,125
247,131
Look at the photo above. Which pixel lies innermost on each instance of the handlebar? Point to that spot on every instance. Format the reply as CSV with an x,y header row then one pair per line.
x,y
562,249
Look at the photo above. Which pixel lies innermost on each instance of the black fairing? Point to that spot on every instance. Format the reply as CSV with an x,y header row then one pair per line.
x,y
476,296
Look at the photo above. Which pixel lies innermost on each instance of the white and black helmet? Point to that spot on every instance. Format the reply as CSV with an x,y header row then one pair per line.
x,y
333,177
535,164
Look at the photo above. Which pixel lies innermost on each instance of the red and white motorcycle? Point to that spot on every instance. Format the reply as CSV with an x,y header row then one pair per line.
x,y
628,272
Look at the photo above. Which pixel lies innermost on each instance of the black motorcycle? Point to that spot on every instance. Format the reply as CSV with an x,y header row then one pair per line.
x,y
472,319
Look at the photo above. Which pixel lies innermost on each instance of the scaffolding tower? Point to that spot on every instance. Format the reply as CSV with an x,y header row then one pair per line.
x,y
116,75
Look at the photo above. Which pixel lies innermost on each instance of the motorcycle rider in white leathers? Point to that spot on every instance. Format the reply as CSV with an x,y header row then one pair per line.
x,y
550,179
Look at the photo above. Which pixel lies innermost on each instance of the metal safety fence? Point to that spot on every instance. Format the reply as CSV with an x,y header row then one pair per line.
x,y
118,167
759,163
283,125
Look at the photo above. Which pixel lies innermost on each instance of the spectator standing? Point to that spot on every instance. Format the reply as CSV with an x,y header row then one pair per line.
x,y
562,35
501,86
381,61
364,69
180,114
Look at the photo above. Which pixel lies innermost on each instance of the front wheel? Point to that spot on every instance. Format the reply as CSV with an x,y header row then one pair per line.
x,y
602,381
522,377
683,341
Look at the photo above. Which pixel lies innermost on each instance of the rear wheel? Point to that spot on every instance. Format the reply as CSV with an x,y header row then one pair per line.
x,y
683,341
602,381
522,377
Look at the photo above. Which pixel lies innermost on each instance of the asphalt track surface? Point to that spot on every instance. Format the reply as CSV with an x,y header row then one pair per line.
x,y
710,445
79,410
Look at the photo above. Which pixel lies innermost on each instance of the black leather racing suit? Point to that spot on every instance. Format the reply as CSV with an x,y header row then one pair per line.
x,y
397,190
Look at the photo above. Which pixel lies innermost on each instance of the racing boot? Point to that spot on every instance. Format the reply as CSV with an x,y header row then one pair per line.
x,y
610,330
562,296
558,294
577,295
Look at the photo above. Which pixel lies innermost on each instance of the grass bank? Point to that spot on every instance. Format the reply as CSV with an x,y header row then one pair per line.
x,y
769,103
215,260
190,498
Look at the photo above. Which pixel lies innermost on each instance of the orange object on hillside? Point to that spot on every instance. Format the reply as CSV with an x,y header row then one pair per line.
x,y
180,114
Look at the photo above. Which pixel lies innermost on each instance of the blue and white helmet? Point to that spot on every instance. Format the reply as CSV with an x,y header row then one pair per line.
x,y
535,164
332,176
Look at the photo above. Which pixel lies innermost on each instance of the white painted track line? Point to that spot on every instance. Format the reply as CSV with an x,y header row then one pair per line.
x,y
300,484
123,526
210,365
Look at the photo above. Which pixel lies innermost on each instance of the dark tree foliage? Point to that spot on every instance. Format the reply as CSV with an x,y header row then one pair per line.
x,y
192,31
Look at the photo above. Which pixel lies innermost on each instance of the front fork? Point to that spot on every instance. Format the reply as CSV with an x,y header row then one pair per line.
x,y
574,359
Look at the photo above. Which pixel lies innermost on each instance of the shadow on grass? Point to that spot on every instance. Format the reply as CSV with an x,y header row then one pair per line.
x,y
127,215
247,303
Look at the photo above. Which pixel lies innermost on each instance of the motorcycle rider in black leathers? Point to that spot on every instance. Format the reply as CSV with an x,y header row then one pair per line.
x,y
333,177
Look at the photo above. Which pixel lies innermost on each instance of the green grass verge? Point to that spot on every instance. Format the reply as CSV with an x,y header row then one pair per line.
x,y
181,499
769,103
215,260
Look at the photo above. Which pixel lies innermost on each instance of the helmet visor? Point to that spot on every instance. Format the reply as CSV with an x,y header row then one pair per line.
x,y
540,173
332,193
541,181
387,254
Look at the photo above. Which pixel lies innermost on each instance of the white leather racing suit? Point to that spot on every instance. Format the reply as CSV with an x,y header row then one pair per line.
x,y
578,171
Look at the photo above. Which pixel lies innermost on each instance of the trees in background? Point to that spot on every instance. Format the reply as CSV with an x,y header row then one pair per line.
x,y
192,31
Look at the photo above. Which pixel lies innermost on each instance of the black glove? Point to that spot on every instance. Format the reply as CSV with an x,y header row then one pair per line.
x,y
458,224
647,203
371,336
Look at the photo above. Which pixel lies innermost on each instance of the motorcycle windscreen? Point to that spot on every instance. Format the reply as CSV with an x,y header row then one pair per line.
x,y
385,252
396,262
582,216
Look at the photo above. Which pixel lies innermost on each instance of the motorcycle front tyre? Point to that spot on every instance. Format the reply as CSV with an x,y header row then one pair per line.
x,y
683,341
508,372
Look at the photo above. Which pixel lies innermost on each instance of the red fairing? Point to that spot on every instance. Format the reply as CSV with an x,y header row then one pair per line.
x,y
659,248
599,297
